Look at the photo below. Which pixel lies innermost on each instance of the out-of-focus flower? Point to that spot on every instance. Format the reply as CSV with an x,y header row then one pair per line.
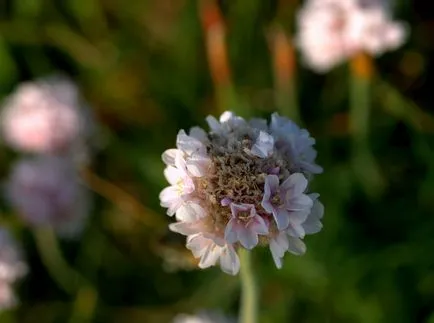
x,y
45,116
203,317
242,185
12,268
332,31
45,191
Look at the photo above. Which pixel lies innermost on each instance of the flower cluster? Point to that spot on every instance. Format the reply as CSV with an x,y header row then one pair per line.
x,y
12,268
44,116
243,184
45,191
332,31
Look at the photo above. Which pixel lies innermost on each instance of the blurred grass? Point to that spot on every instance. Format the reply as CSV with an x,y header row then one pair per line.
x,y
147,69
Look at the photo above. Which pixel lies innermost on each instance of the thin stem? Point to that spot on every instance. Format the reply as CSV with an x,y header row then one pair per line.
x,y
364,163
249,297
51,255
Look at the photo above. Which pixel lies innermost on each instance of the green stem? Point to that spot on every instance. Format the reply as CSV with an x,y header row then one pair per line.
x,y
249,297
363,162
51,256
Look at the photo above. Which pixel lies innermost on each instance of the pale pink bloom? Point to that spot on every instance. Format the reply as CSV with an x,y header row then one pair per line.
x,y
245,225
182,185
239,181
43,116
287,202
333,31
45,191
374,32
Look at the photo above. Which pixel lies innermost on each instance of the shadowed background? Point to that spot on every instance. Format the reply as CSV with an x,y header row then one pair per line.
x,y
149,68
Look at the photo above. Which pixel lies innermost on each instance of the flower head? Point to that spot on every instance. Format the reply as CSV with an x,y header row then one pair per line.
x,y
242,185
45,191
333,31
12,268
44,116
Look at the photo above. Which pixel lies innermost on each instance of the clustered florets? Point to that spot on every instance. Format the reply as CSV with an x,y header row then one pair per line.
x,y
241,185
333,31
45,191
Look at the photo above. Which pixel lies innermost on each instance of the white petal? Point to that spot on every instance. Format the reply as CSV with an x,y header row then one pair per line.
x,y
210,256
229,261
278,247
247,238
231,235
213,124
173,175
264,145
188,144
169,156
226,116
282,219
297,183
190,212
169,195
199,134
296,246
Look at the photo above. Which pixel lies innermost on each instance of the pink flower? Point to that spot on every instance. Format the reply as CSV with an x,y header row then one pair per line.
x,y
210,252
208,245
287,202
282,243
245,225
182,185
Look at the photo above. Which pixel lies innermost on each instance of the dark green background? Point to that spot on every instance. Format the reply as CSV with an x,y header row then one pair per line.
x,y
142,66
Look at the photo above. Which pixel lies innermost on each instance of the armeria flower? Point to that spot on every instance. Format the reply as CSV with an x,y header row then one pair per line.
x,y
242,185
45,116
332,31
45,191
12,268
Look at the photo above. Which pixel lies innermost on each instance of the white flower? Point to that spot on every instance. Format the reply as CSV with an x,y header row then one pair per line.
x,y
332,31
45,191
244,184
45,116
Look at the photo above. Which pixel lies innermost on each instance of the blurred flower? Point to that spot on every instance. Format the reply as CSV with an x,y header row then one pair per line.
x,y
45,191
242,185
12,268
203,317
333,31
44,116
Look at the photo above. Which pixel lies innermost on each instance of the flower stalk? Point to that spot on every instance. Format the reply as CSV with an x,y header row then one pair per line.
x,y
249,292
363,162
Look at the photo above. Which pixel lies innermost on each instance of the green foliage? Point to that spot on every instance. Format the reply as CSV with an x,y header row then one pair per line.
x,y
142,66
